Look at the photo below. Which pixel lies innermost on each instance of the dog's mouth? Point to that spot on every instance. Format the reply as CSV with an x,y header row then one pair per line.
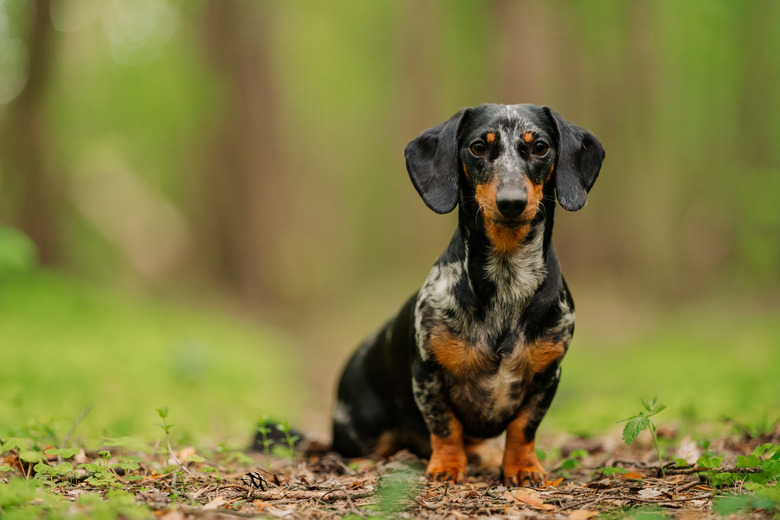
x,y
509,223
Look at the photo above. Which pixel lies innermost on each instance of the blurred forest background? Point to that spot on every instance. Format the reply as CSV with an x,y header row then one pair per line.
x,y
245,157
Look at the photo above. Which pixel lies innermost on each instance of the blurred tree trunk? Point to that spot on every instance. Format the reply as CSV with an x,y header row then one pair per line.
x,y
241,189
23,145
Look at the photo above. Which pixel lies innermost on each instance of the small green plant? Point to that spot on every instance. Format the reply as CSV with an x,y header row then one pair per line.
x,y
766,499
264,430
163,413
289,438
572,461
611,470
643,421
764,461
63,471
101,475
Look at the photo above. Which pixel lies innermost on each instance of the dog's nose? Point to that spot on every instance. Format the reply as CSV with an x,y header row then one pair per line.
x,y
511,203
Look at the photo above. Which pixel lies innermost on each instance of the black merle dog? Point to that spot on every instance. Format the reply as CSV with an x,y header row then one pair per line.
x,y
477,350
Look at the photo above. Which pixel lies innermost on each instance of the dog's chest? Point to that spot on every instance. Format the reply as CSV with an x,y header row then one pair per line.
x,y
494,385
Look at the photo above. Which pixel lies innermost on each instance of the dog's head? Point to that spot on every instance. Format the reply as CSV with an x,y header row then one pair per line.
x,y
504,156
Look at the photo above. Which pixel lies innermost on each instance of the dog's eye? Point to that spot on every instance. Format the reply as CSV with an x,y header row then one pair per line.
x,y
478,148
540,148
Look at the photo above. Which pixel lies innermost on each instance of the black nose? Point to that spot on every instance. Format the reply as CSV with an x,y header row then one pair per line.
x,y
511,203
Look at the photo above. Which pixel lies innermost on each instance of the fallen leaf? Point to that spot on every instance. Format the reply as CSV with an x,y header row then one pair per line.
x,y
215,503
649,493
582,514
189,451
689,450
529,497
631,475
604,483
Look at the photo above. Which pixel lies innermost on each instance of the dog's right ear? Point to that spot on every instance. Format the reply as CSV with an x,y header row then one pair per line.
x,y
432,162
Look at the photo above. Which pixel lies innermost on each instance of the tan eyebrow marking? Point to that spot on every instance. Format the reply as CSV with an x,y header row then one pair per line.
x,y
528,137
491,137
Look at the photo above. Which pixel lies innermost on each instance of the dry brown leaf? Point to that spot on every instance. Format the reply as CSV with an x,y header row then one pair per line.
x,y
582,514
188,451
528,496
631,475
604,483
215,503
649,493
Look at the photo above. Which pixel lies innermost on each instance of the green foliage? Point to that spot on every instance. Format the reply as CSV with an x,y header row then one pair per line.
x,y
765,457
640,422
395,490
612,470
700,338
288,450
56,331
574,459
17,252
643,421
24,499
163,413
765,499
264,430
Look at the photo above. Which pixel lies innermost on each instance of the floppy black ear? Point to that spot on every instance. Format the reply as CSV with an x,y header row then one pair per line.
x,y
432,163
580,156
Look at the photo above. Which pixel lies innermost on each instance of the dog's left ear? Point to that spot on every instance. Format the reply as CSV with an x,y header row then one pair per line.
x,y
579,160
432,163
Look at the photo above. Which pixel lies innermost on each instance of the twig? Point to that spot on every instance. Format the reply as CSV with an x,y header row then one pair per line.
x,y
351,504
689,485
427,505
584,502
705,496
720,469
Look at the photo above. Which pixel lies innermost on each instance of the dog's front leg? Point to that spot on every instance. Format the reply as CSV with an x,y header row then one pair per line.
x,y
448,457
521,466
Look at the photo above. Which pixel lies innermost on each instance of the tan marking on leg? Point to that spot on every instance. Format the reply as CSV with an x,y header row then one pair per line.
x,y
520,465
448,460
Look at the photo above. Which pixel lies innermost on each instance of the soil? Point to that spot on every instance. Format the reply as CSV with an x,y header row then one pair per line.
x,y
586,478
322,485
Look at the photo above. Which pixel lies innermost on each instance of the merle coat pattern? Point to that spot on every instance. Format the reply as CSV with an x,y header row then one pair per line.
x,y
477,351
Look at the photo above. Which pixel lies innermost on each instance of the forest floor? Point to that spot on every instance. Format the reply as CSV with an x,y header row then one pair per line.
x,y
587,478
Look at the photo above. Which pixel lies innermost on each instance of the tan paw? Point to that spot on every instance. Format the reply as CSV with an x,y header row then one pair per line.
x,y
530,476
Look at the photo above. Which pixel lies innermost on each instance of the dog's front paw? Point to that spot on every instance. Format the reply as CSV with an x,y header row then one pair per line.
x,y
454,474
531,475
447,467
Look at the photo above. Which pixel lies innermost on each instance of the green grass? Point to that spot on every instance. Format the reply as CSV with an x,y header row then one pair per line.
x,y
65,345
705,362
